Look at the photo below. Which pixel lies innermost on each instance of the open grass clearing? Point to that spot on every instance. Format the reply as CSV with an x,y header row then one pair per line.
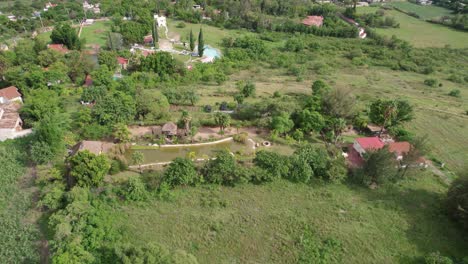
x,y
423,34
262,223
423,11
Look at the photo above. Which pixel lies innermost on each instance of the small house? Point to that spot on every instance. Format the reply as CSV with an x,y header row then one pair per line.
x,y
374,129
365,144
399,149
169,129
148,39
313,21
123,63
10,94
88,81
58,47
11,125
95,147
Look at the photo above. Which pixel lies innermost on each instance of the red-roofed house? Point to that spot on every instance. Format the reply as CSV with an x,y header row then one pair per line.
x,y
399,148
10,94
58,47
123,62
88,81
362,145
148,39
313,21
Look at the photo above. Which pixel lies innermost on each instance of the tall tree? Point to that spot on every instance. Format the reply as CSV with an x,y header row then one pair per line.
x,y
88,169
66,35
154,31
389,113
223,120
192,41
201,43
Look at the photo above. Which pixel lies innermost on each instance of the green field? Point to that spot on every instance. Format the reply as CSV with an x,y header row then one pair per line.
x,y
263,224
425,12
420,33
96,33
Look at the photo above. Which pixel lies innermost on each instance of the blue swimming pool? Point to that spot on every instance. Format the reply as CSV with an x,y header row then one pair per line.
x,y
211,52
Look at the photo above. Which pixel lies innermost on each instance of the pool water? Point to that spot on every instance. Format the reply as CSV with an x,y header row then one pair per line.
x,y
170,153
211,52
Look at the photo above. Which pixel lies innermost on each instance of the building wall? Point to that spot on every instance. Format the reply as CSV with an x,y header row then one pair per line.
x,y
358,148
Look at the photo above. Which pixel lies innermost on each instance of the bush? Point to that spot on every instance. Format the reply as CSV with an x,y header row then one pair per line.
x,y
455,93
299,170
431,82
295,44
135,190
273,163
436,258
181,171
241,137
181,25
221,170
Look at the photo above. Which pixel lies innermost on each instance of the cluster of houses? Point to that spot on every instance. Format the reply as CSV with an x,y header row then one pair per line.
x,y
363,145
95,8
11,125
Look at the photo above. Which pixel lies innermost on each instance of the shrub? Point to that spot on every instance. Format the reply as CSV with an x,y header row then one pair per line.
x,y
431,82
455,93
295,44
221,170
272,162
299,170
181,171
88,169
135,190
437,258
241,137
181,25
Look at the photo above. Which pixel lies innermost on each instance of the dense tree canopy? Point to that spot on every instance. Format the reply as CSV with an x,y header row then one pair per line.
x,y
66,35
88,169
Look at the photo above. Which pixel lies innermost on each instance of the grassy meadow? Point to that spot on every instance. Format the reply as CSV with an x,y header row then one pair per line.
x,y
264,223
425,12
420,33
96,34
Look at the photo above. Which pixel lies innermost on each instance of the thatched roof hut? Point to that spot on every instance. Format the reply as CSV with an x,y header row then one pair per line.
x,y
169,129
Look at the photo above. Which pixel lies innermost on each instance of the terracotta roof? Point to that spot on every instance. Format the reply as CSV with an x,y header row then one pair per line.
x,y
170,128
122,61
148,39
313,21
10,117
95,147
10,92
145,53
88,81
370,143
58,47
399,148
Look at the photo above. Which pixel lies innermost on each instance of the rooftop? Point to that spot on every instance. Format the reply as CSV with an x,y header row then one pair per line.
x,y
58,47
95,147
368,143
121,60
10,92
399,148
313,21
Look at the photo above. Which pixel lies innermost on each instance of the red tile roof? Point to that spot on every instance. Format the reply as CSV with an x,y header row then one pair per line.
x,y
368,143
145,53
148,39
313,21
58,47
399,148
10,92
88,81
122,61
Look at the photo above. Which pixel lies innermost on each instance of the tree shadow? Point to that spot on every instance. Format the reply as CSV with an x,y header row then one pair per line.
x,y
429,227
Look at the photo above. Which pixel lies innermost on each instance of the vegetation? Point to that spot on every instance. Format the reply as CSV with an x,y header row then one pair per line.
x,y
292,96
